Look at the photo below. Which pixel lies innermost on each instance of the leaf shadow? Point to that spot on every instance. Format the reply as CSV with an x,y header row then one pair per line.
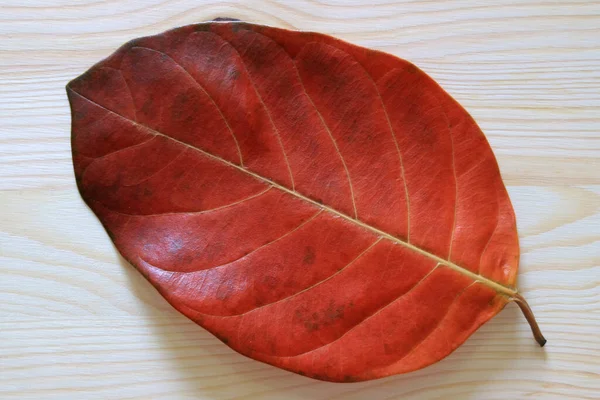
x,y
204,367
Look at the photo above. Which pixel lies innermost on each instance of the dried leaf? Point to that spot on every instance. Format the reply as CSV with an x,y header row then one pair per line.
x,y
322,207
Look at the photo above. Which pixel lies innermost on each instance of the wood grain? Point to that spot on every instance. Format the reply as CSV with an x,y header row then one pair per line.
x,y
76,321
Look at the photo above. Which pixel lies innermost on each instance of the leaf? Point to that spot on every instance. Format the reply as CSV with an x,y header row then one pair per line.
x,y
318,206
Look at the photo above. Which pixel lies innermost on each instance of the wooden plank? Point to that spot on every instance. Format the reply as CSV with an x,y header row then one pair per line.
x,y
76,321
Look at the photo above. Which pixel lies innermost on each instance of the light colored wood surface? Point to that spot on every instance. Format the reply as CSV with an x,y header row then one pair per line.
x,y
76,321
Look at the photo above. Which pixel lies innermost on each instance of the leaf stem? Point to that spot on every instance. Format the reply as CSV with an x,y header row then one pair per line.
x,y
537,333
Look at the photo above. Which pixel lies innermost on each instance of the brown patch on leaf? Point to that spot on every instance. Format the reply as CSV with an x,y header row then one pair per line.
x,y
309,256
334,313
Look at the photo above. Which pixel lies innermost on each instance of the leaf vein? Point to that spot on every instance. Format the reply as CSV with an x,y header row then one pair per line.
x,y
167,164
246,255
437,325
268,112
188,212
322,121
322,281
362,253
393,133
509,291
489,240
128,90
113,152
378,311
455,189
237,145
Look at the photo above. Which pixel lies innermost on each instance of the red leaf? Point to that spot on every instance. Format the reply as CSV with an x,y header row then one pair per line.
x,y
318,206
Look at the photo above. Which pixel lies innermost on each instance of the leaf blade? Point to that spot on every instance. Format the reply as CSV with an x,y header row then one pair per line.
x,y
241,334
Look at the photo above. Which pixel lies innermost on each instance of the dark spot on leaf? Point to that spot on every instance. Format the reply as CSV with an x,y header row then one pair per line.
x,y
185,259
354,131
309,256
179,106
428,136
334,313
391,84
101,77
78,115
311,326
147,106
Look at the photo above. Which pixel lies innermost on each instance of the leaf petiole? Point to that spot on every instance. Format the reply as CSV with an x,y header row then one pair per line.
x,y
537,333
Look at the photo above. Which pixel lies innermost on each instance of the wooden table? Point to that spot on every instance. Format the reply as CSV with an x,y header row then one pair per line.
x,y
76,321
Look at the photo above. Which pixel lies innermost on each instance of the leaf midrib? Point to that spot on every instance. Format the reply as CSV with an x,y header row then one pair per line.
x,y
502,289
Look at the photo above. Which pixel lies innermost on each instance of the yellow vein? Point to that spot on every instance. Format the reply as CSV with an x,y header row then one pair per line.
x,y
319,114
437,326
128,89
253,251
122,148
455,186
488,282
393,132
274,240
277,134
403,295
332,140
113,152
490,239
161,169
237,145
323,122
190,212
362,253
